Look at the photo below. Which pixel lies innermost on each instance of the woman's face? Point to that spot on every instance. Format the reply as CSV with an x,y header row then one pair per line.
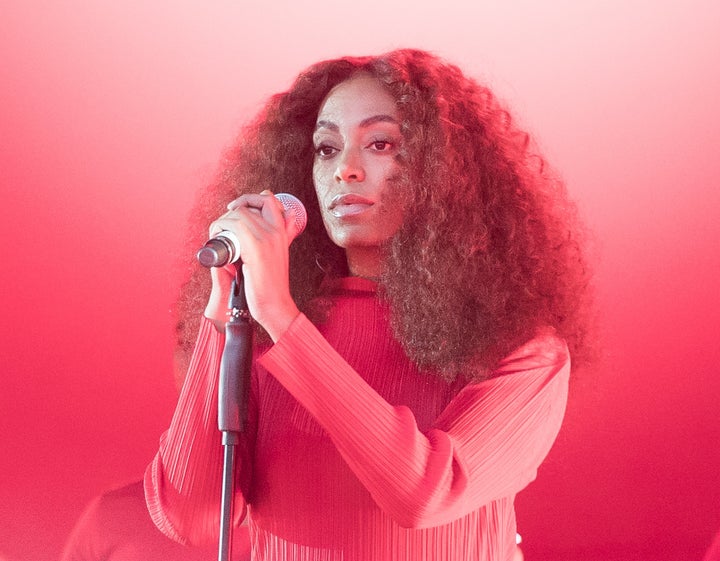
x,y
357,138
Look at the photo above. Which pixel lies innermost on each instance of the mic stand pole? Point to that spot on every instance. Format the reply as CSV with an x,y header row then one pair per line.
x,y
233,388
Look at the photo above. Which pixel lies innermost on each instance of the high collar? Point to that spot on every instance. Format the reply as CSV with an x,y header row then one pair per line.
x,y
351,284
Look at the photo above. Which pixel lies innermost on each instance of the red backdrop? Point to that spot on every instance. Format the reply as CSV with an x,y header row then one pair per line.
x,y
112,115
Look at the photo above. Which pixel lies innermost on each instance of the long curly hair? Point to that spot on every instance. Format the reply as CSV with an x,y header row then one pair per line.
x,y
492,249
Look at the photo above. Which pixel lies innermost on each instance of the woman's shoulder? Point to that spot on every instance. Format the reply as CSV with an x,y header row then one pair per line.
x,y
545,349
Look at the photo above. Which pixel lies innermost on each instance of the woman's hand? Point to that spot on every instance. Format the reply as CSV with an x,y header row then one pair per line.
x,y
263,234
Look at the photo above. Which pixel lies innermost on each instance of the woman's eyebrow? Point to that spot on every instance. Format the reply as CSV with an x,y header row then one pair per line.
x,y
369,121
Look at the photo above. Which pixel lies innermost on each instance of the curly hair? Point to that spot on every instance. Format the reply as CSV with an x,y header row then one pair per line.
x,y
492,251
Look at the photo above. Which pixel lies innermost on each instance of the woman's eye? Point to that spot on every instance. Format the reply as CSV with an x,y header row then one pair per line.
x,y
381,145
325,150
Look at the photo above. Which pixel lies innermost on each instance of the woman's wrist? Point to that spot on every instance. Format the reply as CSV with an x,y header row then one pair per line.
x,y
277,323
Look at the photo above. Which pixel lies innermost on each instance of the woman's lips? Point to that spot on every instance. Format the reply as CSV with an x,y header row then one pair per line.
x,y
348,204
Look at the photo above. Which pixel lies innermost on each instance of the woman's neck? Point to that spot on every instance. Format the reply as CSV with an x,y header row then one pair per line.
x,y
364,262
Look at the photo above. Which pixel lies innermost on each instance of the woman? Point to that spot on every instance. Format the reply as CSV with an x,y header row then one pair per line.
x,y
414,365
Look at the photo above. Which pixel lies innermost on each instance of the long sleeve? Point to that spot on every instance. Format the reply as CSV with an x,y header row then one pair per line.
x,y
115,526
183,482
353,453
486,444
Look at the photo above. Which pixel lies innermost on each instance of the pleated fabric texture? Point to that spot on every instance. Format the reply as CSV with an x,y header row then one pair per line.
x,y
353,454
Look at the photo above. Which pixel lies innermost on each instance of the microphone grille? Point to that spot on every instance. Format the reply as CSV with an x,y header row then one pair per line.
x,y
295,212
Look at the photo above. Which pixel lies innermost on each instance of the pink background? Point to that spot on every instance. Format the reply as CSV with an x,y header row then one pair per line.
x,y
113,113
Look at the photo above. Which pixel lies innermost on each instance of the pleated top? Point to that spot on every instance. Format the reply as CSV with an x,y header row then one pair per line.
x,y
353,454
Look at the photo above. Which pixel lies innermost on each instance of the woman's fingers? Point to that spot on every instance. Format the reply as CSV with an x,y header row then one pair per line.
x,y
258,224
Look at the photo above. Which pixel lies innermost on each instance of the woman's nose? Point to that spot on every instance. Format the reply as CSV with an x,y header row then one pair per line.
x,y
349,168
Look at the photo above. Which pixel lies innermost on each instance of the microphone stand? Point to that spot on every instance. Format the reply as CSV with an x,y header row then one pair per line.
x,y
233,392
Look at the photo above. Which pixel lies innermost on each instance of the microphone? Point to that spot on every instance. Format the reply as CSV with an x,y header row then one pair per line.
x,y
224,248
